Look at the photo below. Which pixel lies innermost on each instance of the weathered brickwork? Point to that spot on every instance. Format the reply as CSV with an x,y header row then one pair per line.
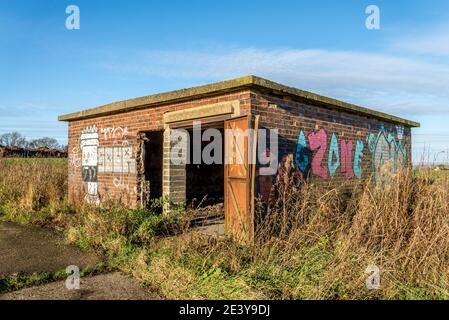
x,y
319,138
92,142
322,144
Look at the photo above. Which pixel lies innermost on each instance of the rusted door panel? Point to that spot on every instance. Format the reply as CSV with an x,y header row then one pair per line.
x,y
237,179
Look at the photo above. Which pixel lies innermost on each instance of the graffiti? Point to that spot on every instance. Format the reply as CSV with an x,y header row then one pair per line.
x,y
75,159
347,164
302,153
387,149
318,143
388,154
116,160
340,154
358,155
119,159
333,151
113,132
400,132
123,182
89,161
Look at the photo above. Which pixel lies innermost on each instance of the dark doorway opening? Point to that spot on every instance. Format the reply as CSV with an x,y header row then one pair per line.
x,y
153,155
205,182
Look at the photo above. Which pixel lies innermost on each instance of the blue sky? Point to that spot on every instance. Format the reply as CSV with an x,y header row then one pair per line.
x,y
126,49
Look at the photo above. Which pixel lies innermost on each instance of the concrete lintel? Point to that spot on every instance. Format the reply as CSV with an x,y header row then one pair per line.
x,y
216,109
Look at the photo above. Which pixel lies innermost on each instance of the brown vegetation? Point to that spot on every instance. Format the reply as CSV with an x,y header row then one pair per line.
x,y
314,243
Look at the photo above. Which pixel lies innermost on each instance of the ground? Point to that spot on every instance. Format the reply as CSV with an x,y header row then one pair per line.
x,y
109,286
29,249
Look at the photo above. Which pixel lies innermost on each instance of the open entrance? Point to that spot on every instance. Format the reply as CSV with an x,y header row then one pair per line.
x,y
205,180
152,164
219,190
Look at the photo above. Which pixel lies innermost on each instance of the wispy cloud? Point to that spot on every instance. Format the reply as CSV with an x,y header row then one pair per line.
x,y
390,83
29,109
435,43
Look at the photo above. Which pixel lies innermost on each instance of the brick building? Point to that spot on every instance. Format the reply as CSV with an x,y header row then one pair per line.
x,y
122,150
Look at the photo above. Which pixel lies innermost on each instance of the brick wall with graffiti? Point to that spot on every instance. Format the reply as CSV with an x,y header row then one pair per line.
x,y
104,152
313,142
104,156
318,143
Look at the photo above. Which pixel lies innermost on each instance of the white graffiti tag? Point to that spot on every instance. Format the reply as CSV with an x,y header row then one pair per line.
x,y
75,159
114,132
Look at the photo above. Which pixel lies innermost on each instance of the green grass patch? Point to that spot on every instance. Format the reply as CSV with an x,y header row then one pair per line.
x,y
22,281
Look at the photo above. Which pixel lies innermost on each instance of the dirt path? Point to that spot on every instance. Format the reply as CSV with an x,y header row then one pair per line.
x,y
109,286
30,249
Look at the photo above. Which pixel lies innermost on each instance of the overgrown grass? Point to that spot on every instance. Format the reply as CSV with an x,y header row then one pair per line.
x,y
315,242
34,191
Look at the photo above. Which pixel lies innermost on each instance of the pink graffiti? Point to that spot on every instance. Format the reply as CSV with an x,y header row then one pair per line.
x,y
318,143
346,159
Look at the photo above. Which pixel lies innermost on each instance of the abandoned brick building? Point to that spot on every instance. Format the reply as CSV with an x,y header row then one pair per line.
x,y
116,151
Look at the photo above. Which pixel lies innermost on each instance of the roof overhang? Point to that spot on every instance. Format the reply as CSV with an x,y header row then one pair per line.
x,y
247,82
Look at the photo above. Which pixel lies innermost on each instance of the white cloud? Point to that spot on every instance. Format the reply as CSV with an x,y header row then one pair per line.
x,y
393,84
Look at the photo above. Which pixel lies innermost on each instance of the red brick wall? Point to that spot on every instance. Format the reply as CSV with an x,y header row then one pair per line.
x,y
291,117
288,116
124,186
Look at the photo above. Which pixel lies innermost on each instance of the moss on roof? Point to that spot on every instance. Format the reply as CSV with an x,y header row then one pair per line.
x,y
247,82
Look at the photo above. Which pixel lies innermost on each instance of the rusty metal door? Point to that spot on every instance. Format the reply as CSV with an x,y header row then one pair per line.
x,y
238,221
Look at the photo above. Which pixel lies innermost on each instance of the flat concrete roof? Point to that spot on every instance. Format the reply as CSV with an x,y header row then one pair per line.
x,y
228,86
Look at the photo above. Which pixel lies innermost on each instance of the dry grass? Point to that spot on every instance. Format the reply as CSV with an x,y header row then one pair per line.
x,y
33,190
33,183
315,242
401,226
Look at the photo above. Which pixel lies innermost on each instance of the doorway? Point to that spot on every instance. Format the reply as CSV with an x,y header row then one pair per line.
x,y
205,181
152,165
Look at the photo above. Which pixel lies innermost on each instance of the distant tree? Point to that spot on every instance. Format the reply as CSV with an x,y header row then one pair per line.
x,y
46,142
13,139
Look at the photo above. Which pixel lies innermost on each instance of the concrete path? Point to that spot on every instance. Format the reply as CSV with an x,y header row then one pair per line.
x,y
109,286
30,249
